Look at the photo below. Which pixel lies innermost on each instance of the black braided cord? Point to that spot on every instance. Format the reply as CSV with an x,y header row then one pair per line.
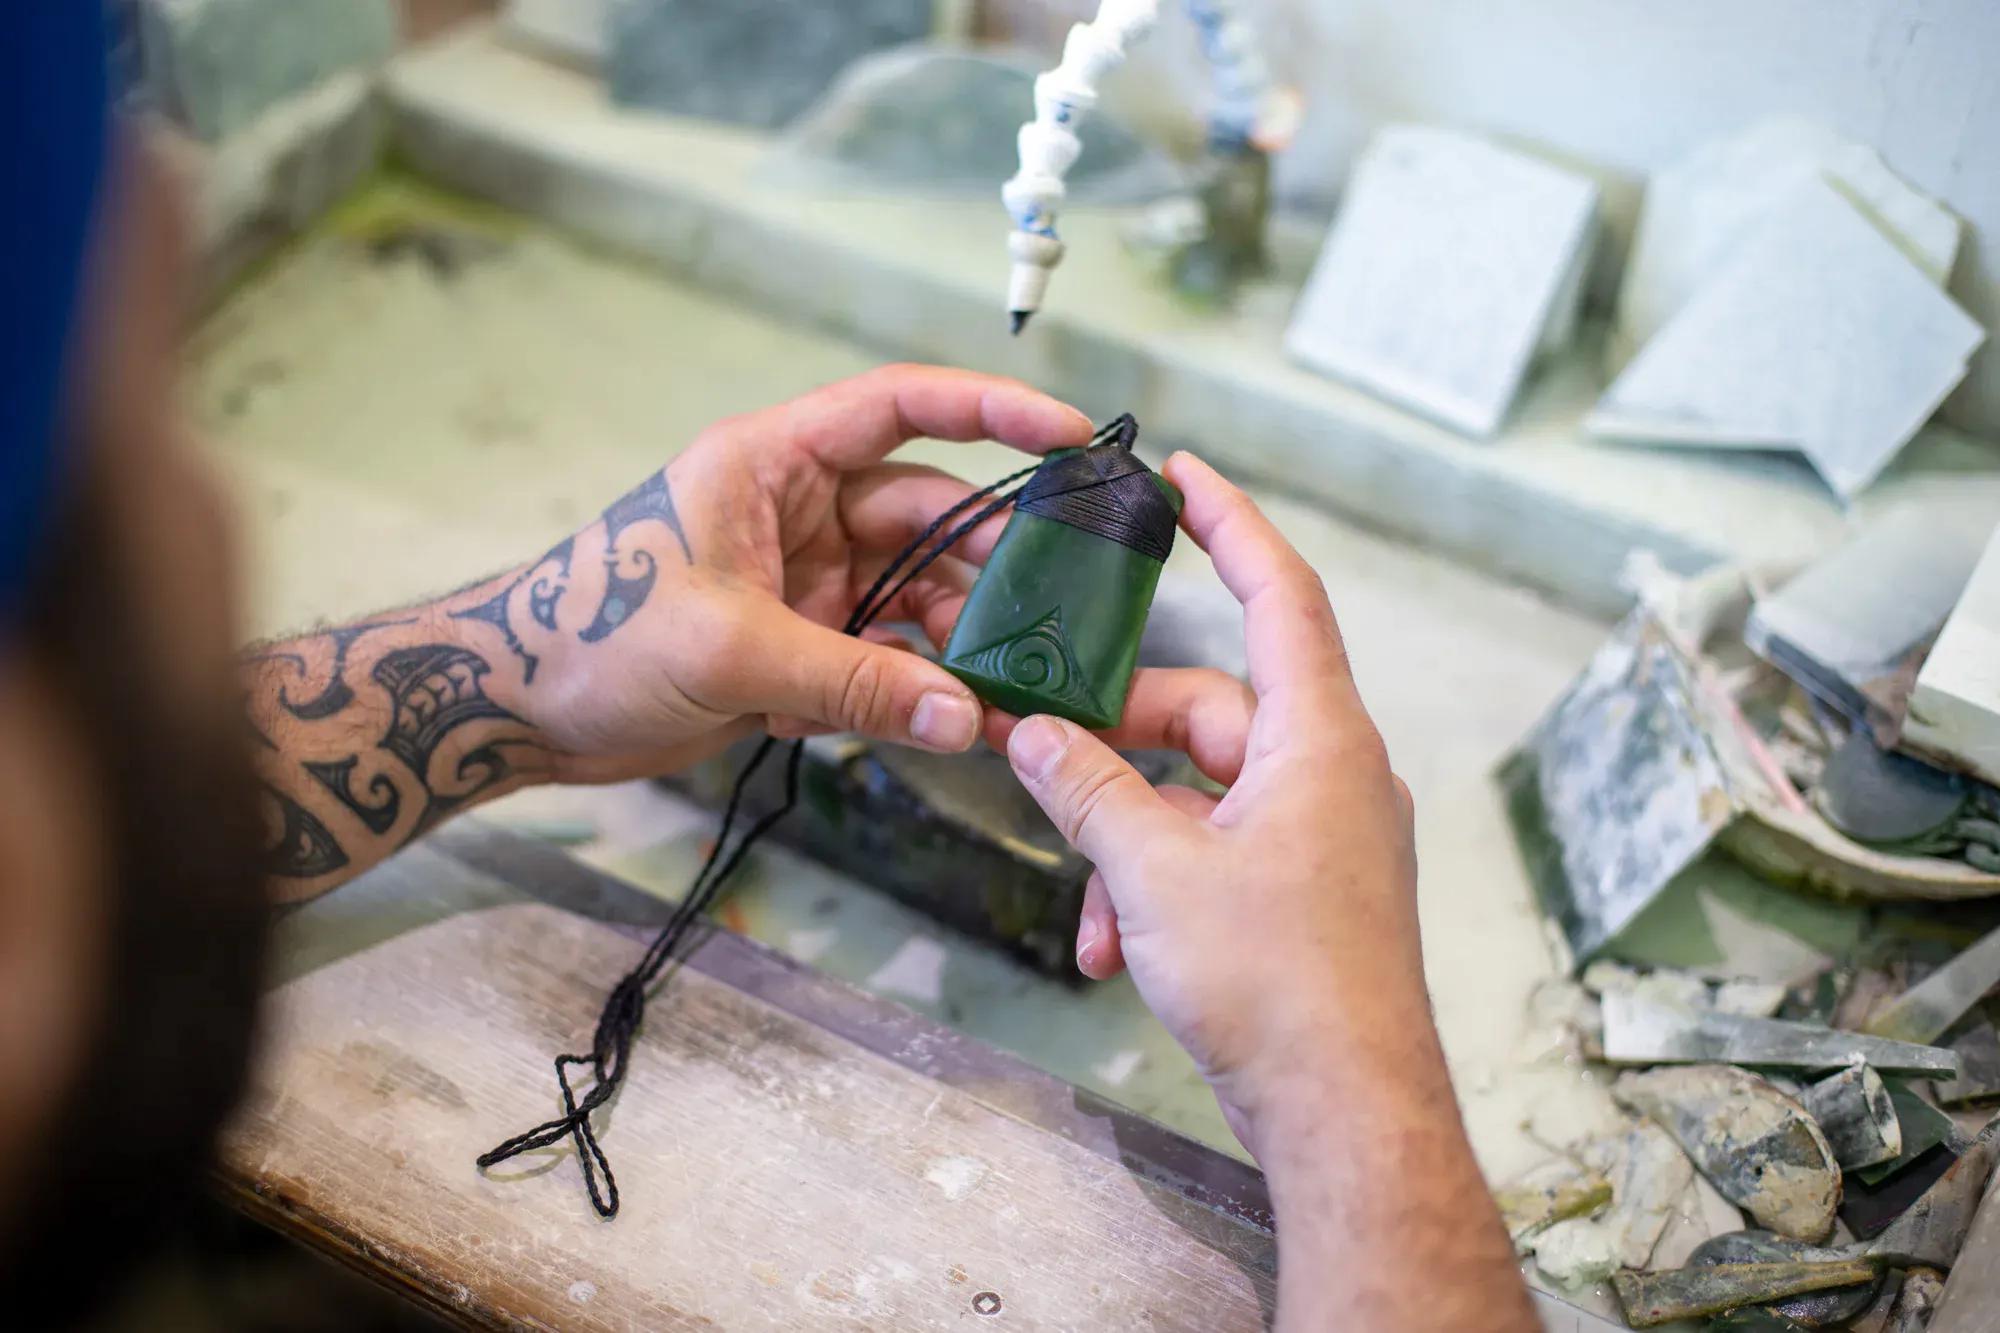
x,y
617,1025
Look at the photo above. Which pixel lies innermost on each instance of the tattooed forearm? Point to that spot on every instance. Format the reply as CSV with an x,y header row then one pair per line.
x,y
435,691
369,734
415,738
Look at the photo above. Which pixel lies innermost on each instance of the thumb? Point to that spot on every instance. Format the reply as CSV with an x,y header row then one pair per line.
x,y
1097,800
823,676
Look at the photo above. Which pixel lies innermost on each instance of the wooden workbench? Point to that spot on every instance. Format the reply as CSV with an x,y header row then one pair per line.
x,y
791,1151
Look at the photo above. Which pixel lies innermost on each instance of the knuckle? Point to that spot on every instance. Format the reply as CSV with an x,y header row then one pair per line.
x,y
1236,502
721,435
1085,793
861,696
1316,604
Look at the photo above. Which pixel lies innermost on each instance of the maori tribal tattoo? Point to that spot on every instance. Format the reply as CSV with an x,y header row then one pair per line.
x,y
543,593
377,816
359,767
651,498
625,592
434,690
304,848
443,742
335,695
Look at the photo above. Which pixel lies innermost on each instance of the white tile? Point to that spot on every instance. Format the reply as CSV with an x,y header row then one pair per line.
x,y
1450,258
1815,334
1697,209
1847,626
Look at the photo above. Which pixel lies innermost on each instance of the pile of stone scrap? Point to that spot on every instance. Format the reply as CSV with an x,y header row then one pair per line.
x,y
1803,1157
1798,1148
1836,728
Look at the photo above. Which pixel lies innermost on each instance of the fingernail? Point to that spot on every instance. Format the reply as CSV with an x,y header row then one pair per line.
x,y
1036,747
945,722
1086,942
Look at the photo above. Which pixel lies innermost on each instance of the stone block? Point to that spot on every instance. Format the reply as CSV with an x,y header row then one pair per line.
x,y
750,62
953,836
214,65
1954,711
1853,627
1697,209
1448,263
1817,334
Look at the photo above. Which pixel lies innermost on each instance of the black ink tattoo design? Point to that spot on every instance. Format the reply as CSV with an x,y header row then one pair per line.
x,y
625,593
622,594
543,594
494,613
378,815
336,695
651,498
305,848
433,690
479,768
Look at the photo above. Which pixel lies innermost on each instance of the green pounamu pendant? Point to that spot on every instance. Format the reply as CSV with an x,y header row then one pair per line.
x,y
1053,624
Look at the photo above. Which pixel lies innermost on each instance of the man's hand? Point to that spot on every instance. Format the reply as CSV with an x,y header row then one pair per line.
x,y
1275,934
702,604
708,601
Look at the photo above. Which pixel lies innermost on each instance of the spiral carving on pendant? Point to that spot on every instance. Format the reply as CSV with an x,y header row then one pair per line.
x,y
1036,658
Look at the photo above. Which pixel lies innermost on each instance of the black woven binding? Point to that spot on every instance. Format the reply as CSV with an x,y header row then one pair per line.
x,y
1105,491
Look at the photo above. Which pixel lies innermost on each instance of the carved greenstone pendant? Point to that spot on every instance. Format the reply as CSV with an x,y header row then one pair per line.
x,y
1053,624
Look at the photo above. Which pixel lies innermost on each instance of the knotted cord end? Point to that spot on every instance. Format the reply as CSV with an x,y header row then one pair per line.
x,y
625,1006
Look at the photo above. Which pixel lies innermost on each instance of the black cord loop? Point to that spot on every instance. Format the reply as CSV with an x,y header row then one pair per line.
x,y
624,1008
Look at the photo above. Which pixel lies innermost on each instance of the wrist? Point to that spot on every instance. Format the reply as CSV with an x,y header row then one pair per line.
x,y
509,675
1345,1054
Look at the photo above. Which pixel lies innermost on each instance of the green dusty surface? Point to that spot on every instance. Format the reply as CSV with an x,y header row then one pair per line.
x,y
398,413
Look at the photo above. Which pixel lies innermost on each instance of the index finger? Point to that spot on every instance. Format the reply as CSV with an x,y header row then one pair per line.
x,y
1293,642
855,423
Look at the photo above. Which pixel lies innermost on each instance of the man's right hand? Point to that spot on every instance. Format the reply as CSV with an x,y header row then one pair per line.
x,y
1255,923
1274,933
